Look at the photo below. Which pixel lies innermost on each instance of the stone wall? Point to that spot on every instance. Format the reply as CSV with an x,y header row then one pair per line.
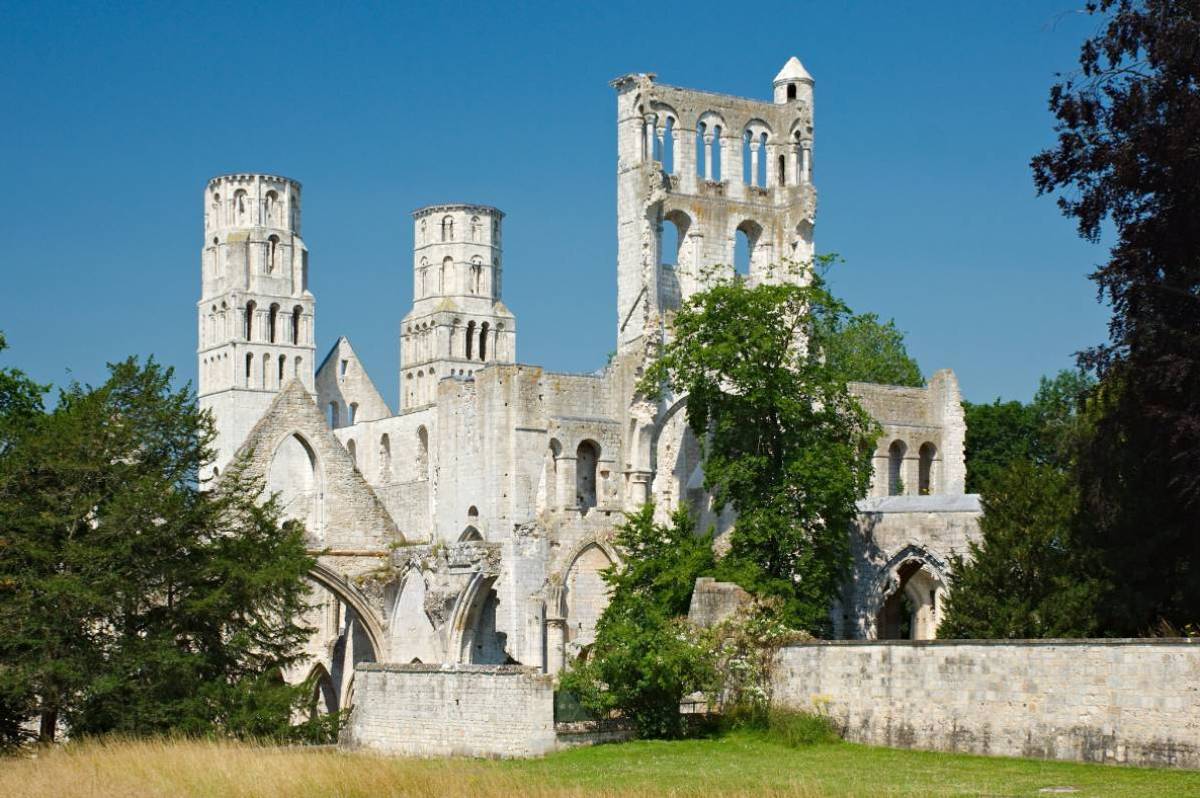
x,y
1120,701
445,710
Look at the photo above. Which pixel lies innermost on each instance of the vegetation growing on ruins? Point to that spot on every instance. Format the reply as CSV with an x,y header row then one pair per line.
x,y
132,598
646,657
784,443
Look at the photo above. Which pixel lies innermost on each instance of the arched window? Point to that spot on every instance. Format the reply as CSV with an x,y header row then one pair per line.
x,y
587,457
703,159
668,146
447,271
282,368
470,338
272,253
271,209
476,274
782,173
248,330
475,228
249,370
266,371
483,340
353,453
241,208
298,362
925,478
422,453
296,312
385,458
896,468
791,91
334,416
422,232
447,228
353,412
272,320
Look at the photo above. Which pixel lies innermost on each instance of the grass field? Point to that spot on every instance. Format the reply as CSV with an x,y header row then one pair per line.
x,y
737,764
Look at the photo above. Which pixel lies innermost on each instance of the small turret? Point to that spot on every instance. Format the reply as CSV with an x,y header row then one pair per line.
x,y
793,83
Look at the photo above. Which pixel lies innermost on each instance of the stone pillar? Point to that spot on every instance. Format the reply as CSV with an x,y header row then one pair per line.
x,y
754,146
676,153
556,629
806,162
708,159
650,120
565,467
660,136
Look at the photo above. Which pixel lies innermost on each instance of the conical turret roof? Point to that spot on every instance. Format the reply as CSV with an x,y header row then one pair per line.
x,y
793,70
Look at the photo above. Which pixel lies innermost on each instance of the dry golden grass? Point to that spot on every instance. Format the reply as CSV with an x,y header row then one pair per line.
x,y
733,765
200,769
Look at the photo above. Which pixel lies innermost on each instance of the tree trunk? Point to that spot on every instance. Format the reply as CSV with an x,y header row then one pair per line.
x,y
49,726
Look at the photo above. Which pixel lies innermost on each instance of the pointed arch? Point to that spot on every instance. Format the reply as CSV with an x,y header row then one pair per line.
x,y
351,596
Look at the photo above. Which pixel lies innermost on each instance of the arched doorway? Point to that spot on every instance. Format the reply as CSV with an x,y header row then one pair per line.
x,y
912,610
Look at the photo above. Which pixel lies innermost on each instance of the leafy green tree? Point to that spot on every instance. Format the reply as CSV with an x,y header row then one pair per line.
x,y
133,598
646,657
860,348
1126,155
20,401
1028,576
784,442
1044,432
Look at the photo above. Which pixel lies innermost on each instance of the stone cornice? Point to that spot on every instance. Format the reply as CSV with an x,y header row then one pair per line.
x,y
429,210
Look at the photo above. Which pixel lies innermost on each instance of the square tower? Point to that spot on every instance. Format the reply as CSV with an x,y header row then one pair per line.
x,y
715,167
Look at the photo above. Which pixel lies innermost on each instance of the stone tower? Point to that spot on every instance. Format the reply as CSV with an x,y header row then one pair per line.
x,y
457,323
255,310
715,168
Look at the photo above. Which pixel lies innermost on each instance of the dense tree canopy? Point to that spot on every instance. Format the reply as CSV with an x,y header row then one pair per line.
x,y
783,440
861,348
132,598
1128,154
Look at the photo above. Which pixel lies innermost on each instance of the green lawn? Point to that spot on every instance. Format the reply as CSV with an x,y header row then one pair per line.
x,y
749,763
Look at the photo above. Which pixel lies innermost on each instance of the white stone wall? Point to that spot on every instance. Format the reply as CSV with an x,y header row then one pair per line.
x,y
1121,701
463,710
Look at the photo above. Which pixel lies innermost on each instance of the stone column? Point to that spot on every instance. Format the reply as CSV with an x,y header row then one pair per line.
x,y
650,120
806,162
556,629
708,159
660,135
676,153
754,146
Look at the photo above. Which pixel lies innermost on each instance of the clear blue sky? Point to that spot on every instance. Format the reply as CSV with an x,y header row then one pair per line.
x,y
116,114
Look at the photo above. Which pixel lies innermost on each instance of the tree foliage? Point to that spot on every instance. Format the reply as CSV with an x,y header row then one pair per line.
x,y
1027,577
1127,154
784,443
646,657
861,348
134,599
1044,432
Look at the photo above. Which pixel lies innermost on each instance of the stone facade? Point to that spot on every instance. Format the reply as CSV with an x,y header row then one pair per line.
x,y
471,526
1119,701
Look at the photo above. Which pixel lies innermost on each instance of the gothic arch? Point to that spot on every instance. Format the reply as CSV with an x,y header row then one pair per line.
x,y
466,617
351,596
890,579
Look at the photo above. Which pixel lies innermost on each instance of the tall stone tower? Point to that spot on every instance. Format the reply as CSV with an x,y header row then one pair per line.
x,y
717,168
255,311
457,323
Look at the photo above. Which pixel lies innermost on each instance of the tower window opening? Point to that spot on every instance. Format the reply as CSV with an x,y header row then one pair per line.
x,y
272,320
266,371
587,457
483,335
448,228
476,274
703,158
668,146
470,338
717,157
249,369
249,321
896,468
241,211
334,416
782,170
272,254
282,368
791,91
474,228
298,363
353,412
345,364
762,160
741,254
296,311
271,208
385,458
446,271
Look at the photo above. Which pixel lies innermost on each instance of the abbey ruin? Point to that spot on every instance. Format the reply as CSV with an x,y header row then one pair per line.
x,y
469,527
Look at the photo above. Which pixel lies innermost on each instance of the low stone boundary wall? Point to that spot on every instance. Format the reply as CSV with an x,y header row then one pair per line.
x,y
1126,701
445,710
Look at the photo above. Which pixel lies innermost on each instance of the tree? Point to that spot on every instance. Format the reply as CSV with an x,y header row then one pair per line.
x,y
1126,153
646,658
860,348
1044,432
784,443
20,401
133,598
1027,577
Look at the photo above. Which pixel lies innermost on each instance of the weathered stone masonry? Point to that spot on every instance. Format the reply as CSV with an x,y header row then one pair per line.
x,y
1132,702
